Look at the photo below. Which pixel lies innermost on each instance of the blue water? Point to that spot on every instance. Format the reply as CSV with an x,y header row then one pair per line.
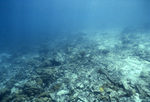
x,y
23,21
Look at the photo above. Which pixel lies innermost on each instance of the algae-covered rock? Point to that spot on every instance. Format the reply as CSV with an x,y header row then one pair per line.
x,y
4,92
21,98
39,82
44,94
31,90
43,99
55,87
47,75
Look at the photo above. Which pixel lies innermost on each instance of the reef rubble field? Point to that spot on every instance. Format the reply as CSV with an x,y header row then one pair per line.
x,y
99,66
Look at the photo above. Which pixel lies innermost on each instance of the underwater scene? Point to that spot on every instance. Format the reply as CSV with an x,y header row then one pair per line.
x,y
74,51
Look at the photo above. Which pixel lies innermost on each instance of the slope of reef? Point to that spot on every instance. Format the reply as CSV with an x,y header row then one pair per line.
x,y
109,66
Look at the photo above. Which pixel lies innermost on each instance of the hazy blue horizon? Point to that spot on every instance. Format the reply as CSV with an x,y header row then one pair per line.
x,y
25,19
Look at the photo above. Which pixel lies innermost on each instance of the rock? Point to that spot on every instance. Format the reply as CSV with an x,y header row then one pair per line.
x,y
144,74
63,92
79,85
136,98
